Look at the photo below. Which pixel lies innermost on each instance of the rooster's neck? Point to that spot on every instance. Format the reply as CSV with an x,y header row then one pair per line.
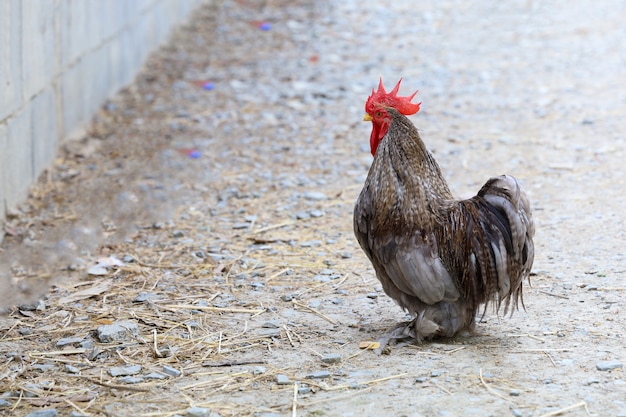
x,y
409,187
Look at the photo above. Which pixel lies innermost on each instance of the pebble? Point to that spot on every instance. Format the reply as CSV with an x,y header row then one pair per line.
x,y
282,379
332,358
319,375
72,369
43,367
86,344
198,412
97,270
117,331
286,297
435,373
314,195
372,295
271,324
516,412
171,371
130,379
143,296
50,412
346,255
609,365
514,393
154,375
4,403
303,215
69,341
125,370
32,390
269,332
259,370
316,213
25,331
311,243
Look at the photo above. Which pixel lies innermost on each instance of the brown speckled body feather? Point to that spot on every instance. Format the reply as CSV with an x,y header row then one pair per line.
x,y
438,257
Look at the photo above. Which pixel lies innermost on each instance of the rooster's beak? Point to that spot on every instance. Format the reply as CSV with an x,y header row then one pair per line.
x,y
367,118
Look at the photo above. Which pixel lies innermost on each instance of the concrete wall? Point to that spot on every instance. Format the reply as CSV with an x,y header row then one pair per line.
x,y
59,61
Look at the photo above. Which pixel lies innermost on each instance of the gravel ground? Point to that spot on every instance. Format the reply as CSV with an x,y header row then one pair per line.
x,y
199,238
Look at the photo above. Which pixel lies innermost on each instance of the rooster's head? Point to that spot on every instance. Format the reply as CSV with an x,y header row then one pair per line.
x,y
375,111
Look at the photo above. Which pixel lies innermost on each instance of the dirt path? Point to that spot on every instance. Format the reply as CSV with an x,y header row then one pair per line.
x,y
224,181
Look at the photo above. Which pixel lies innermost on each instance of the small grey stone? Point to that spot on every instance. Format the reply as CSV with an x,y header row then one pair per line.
x,y
155,375
435,373
86,344
72,369
302,215
314,195
171,371
316,213
259,370
198,412
178,234
269,332
321,278
286,297
43,367
97,270
69,341
4,403
372,295
239,226
130,380
346,255
609,365
271,324
78,414
516,412
332,358
311,243
143,296
282,379
125,370
50,412
303,389
128,259
318,375
117,331
514,393
25,331
32,390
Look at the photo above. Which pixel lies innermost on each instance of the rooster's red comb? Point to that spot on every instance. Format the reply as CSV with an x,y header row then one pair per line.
x,y
391,99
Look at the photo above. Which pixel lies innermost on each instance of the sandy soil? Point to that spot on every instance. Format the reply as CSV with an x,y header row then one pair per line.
x,y
224,181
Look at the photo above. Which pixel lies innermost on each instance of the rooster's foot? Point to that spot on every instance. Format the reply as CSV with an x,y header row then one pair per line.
x,y
410,332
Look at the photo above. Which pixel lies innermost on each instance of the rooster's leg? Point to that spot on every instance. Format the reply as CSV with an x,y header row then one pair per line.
x,y
411,332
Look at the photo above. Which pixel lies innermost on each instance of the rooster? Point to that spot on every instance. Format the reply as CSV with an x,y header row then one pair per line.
x,y
438,257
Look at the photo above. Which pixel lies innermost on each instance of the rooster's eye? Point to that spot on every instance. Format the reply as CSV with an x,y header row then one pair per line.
x,y
379,114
